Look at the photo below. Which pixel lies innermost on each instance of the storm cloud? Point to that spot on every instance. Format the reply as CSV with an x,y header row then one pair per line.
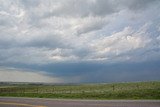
x,y
81,40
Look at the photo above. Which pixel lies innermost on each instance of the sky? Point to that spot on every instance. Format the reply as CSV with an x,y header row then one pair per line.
x,y
79,41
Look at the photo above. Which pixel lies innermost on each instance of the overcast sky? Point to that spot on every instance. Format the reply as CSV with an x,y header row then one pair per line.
x,y
79,41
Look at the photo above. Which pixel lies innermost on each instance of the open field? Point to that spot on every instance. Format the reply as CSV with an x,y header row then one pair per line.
x,y
137,90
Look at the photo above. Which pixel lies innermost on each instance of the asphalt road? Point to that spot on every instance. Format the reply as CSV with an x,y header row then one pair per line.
x,y
37,102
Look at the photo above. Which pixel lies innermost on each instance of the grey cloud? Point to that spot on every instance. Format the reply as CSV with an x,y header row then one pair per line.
x,y
139,4
93,24
3,23
50,41
24,55
83,8
30,3
7,41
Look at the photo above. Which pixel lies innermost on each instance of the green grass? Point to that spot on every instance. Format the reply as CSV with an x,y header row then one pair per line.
x,y
138,90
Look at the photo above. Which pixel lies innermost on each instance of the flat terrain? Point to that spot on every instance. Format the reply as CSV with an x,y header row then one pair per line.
x,y
30,102
137,90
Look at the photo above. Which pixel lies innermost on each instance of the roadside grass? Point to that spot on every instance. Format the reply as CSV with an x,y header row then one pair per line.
x,y
137,90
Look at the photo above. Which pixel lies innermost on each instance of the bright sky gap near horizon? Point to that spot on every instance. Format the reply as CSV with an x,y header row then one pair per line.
x,y
79,41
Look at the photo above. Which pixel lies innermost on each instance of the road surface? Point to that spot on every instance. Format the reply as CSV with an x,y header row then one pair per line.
x,y
37,102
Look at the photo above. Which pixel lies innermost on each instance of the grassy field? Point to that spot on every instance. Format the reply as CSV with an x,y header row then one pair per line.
x,y
137,90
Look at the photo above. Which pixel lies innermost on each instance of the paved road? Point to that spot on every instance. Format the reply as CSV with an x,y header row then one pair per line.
x,y
37,102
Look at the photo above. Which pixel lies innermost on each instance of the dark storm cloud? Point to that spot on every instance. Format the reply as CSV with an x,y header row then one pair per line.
x,y
102,72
